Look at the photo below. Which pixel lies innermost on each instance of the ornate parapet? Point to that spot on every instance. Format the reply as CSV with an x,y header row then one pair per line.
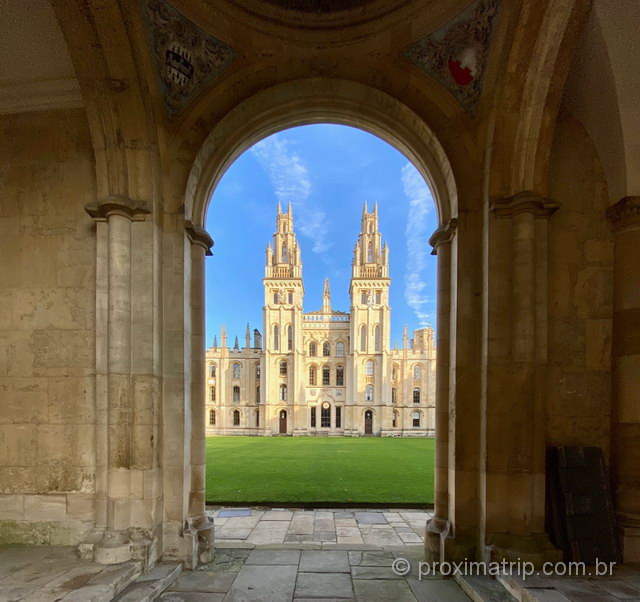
x,y
199,236
523,202
118,204
625,213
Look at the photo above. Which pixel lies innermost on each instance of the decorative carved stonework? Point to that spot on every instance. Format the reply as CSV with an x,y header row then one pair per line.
x,y
626,212
523,202
118,205
199,236
456,54
187,57
443,234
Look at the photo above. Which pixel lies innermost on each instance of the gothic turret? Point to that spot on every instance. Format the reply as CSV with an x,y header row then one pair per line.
x,y
326,298
370,257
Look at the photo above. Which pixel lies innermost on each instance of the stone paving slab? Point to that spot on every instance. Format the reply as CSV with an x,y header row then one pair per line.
x,y
262,583
323,585
324,561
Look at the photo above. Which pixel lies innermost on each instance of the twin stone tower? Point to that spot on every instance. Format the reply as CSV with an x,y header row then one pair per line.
x,y
325,372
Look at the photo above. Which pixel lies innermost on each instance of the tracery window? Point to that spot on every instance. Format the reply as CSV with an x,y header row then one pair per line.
x,y
339,376
416,395
236,418
235,369
236,394
326,375
368,393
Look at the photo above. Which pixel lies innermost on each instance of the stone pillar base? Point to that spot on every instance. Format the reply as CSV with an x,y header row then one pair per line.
x,y
441,544
630,543
190,543
535,548
114,547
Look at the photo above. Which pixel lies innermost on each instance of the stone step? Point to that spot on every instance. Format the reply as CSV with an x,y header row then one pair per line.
x,y
107,584
151,585
483,588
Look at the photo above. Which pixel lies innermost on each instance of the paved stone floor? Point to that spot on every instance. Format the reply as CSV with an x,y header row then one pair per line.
x,y
256,527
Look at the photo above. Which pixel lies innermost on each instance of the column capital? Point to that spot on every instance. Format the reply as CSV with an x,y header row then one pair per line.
x,y
625,213
199,236
443,234
523,202
118,204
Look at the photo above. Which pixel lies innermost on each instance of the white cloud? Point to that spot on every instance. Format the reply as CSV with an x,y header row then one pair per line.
x,y
291,184
420,205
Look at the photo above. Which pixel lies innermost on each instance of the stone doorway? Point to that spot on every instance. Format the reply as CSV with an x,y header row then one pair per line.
x,y
283,422
368,422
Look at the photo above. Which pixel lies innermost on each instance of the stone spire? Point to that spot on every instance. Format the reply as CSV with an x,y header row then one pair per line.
x,y
247,337
236,345
223,337
326,297
215,341
405,337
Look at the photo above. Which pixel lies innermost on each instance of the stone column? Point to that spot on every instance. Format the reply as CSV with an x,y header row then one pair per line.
x,y
514,428
438,528
199,522
625,352
114,379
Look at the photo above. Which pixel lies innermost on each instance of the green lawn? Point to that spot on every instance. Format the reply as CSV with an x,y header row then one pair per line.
x,y
310,469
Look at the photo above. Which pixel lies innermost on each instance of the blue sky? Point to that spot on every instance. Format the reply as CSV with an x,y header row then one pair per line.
x,y
326,172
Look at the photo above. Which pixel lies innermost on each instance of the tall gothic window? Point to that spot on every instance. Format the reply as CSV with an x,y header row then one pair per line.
x,y
258,394
368,368
363,338
325,417
378,297
236,418
313,417
326,349
283,368
338,417
340,349
283,392
394,423
258,371
370,253
257,417
417,372
285,254
393,395
212,393
312,376
368,393
363,297
236,394
289,337
313,349
276,337
212,417
326,375
339,376
416,395
378,338
416,418
235,369
212,371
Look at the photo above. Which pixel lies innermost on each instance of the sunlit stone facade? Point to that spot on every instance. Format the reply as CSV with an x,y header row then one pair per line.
x,y
325,372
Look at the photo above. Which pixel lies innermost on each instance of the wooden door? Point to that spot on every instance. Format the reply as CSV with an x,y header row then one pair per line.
x,y
368,422
283,422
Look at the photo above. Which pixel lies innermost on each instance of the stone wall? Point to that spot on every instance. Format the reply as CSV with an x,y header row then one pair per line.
x,y
47,346
580,293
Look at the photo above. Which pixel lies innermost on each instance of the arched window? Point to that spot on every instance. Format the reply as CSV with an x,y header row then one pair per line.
x,y
416,418
283,392
326,375
313,349
285,254
370,253
212,393
326,349
325,417
340,349
339,376
257,417
394,423
378,297
212,371
276,337
368,368
363,338
417,372
236,418
258,394
236,370
313,417
258,371
236,394
312,376
289,337
283,368
393,395
368,393
212,417
416,395
377,337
